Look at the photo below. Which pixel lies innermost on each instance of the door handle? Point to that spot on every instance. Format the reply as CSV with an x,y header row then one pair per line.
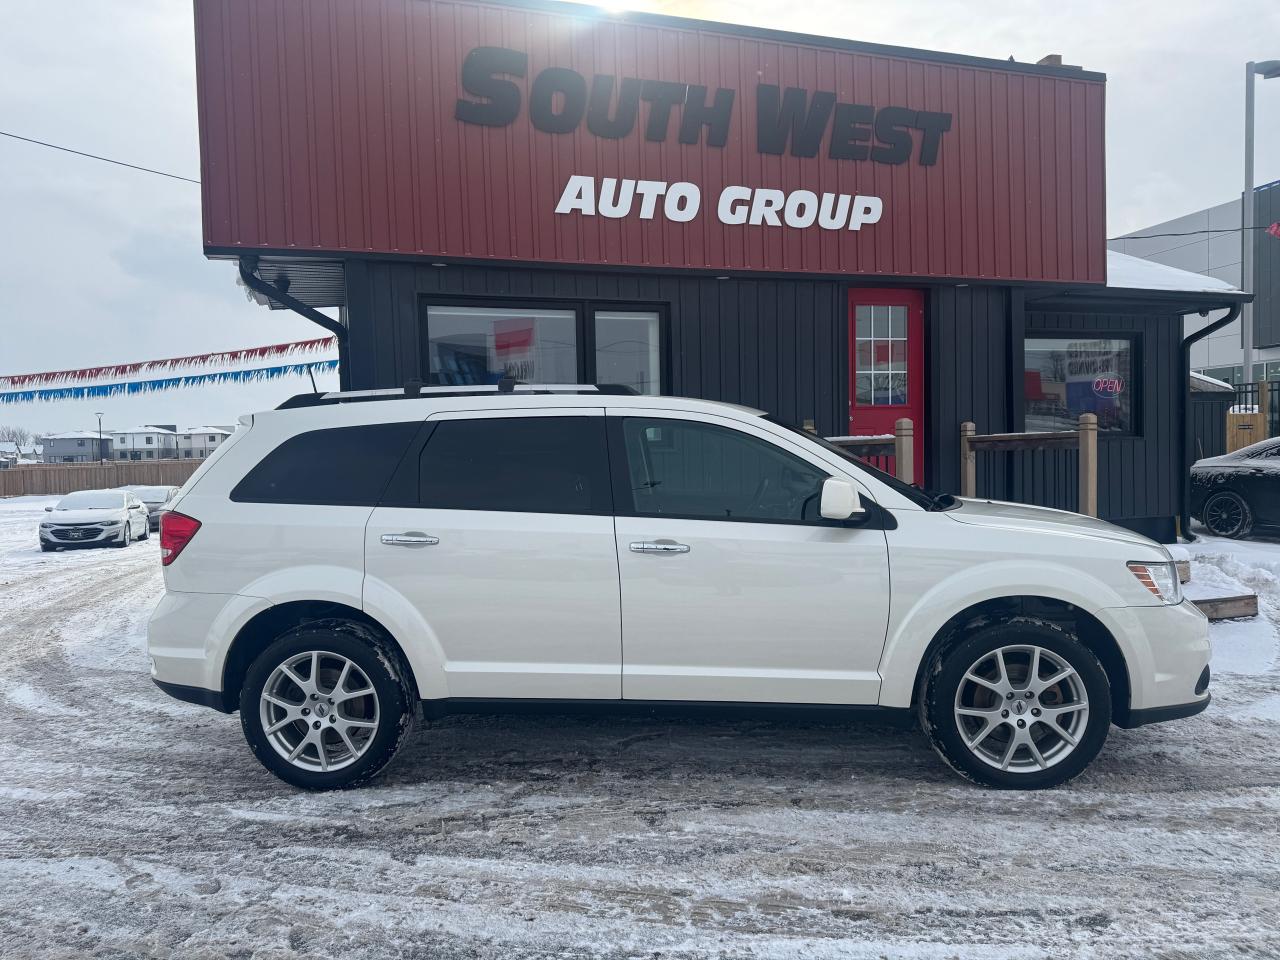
x,y
409,540
658,546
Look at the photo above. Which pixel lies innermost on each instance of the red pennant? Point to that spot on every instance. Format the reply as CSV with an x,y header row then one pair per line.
x,y
1274,229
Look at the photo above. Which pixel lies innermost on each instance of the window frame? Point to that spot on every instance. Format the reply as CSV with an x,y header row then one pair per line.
x,y
624,503
1137,409
583,309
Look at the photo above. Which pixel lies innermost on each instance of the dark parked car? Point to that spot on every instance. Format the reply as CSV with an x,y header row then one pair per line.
x,y
1237,492
155,498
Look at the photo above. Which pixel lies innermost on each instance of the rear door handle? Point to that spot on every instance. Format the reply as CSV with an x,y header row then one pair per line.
x,y
658,546
409,540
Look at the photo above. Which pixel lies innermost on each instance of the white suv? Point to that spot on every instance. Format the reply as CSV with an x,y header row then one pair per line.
x,y
350,560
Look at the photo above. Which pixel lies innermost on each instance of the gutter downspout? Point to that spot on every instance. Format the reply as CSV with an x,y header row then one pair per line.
x,y
248,268
1184,479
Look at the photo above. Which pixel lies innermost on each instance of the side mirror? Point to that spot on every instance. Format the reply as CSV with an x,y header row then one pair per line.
x,y
840,500
48,509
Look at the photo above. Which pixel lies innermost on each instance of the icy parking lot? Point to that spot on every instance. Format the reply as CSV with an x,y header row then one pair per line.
x,y
134,825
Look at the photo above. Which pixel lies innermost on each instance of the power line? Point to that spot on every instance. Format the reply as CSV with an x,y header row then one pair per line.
x,y
1189,233
94,156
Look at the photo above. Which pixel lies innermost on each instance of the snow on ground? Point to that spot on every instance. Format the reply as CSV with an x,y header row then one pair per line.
x,y
134,825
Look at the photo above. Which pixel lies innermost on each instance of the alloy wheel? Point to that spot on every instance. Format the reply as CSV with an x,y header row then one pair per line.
x,y
1021,708
319,711
1224,514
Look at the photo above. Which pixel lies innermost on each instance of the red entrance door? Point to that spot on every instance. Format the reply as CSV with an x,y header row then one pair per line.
x,y
886,363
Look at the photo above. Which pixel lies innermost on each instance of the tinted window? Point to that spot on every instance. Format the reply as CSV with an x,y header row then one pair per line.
x,y
1065,377
341,466
525,464
681,468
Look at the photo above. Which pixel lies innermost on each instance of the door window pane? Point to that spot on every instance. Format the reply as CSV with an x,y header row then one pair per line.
x,y
479,345
628,351
880,355
1067,376
522,464
682,468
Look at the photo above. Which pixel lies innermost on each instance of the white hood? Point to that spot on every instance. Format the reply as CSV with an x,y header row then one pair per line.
x,y
110,515
1022,516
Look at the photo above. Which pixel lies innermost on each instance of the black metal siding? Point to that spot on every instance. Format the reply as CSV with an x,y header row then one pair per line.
x,y
780,345
1266,267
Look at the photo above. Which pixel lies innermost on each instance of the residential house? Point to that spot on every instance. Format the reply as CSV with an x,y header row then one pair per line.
x,y
76,446
149,442
196,443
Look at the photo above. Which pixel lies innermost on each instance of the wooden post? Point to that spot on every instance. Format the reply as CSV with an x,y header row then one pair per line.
x,y
1088,432
968,461
904,448
1264,404
810,427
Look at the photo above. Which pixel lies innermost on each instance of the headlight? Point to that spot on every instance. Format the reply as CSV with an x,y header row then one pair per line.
x,y
1160,578
108,524
46,526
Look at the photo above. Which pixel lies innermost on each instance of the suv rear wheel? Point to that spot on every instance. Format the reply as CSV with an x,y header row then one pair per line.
x,y
326,705
1017,705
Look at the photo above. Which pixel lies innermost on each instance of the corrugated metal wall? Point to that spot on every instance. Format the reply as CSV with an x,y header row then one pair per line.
x,y
328,125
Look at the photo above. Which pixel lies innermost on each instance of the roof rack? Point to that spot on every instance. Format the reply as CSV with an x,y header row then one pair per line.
x,y
414,390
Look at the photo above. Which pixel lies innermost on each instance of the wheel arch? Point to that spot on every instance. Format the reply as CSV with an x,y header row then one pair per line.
x,y
1087,627
266,626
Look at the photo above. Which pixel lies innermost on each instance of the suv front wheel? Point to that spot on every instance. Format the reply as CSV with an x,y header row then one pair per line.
x,y
325,705
1017,705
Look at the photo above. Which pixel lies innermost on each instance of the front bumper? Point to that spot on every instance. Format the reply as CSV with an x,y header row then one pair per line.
x,y
1166,650
81,536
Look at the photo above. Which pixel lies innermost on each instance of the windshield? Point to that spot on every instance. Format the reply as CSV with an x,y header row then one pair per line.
x,y
92,500
914,494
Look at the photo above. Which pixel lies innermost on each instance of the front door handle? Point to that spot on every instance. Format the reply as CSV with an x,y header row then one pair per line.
x,y
409,540
658,546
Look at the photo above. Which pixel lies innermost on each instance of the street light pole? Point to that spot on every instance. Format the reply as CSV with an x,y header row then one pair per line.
x,y
1268,69
99,416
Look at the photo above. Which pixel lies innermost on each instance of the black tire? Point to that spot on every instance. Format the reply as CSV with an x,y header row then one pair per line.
x,y
946,674
126,538
1227,514
379,662
146,532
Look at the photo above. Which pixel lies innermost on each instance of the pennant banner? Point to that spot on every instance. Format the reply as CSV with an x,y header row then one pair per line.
x,y
167,383
226,357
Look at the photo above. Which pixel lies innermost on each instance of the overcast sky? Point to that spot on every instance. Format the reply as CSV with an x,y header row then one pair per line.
x,y
103,265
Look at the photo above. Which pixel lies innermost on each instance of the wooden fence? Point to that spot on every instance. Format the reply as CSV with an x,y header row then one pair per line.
x,y
1084,439
892,454
57,478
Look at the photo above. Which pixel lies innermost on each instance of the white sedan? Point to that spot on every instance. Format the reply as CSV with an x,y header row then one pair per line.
x,y
94,518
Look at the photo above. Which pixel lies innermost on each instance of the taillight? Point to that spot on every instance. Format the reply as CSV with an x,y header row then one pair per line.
x,y
176,531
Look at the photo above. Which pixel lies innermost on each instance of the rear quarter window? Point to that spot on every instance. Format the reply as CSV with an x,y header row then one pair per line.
x,y
337,466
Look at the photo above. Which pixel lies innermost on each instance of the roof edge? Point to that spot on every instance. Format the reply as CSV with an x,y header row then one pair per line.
x,y
586,11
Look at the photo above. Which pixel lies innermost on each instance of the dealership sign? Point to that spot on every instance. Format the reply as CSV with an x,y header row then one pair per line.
x,y
544,133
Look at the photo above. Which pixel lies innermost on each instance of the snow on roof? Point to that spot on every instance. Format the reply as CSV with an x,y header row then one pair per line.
x,y
144,430
206,430
1135,273
1202,384
77,435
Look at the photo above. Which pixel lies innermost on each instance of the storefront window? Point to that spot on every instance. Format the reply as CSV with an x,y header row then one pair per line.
x,y
480,345
1067,376
880,355
627,350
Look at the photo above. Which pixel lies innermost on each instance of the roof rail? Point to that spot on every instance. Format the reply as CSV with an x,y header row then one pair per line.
x,y
415,390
